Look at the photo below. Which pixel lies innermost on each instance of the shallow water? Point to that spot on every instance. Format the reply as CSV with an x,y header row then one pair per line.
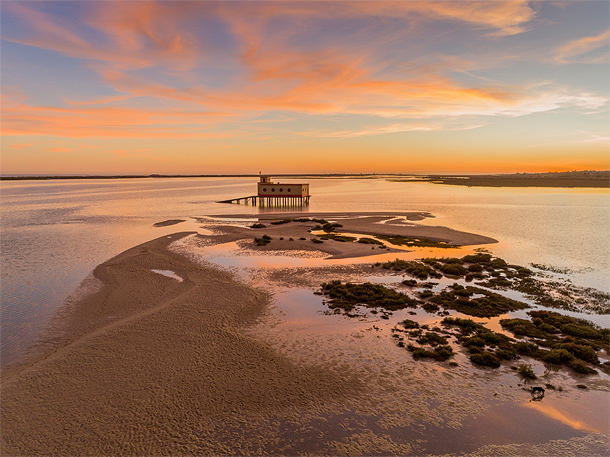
x,y
53,233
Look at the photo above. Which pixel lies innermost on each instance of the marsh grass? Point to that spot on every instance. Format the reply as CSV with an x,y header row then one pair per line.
x,y
399,240
526,371
266,239
347,296
413,268
366,240
547,336
461,299
336,237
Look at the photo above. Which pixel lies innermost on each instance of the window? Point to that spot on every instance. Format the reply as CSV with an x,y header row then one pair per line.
x,y
281,190
264,189
273,189
289,190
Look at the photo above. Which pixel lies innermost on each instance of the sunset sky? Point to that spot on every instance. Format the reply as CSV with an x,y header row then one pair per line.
x,y
114,87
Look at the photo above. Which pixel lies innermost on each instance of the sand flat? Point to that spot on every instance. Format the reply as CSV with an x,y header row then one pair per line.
x,y
157,377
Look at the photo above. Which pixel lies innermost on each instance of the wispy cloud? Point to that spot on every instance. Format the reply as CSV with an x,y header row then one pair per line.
x,y
392,128
576,48
21,118
21,145
60,149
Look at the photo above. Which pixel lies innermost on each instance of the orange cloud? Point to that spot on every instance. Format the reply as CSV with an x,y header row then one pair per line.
x,y
19,118
506,17
582,46
60,149
136,34
21,145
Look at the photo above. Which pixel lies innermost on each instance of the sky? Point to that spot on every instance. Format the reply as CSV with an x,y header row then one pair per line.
x,y
196,87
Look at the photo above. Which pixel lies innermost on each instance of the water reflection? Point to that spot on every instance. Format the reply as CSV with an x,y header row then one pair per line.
x,y
592,411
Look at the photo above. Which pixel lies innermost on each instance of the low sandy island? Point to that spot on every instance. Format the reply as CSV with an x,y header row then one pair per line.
x,y
297,235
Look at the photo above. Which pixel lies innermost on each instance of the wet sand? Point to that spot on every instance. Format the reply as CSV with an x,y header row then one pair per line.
x,y
149,365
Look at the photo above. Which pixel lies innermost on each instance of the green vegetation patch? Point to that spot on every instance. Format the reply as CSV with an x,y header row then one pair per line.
x,y
526,371
258,225
409,324
432,339
547,336
550,329
486,359
572,342
399,240
438,353
348,295
336,237
365,240
417,269
266,239
486,304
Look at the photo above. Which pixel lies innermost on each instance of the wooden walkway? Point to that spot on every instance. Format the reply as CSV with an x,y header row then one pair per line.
x,y
269,201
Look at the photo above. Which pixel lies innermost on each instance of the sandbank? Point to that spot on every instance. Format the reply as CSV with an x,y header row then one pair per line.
x,y
149,365
368,225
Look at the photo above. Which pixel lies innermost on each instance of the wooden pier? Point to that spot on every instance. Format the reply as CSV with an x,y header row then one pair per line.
x,y
276,194
253,200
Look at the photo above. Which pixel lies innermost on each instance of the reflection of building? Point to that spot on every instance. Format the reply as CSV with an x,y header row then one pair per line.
x,y
266,188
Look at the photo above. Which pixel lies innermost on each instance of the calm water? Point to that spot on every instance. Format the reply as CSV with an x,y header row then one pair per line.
x,y
54,233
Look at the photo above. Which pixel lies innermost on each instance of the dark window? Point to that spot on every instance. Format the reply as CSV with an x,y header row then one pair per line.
x,y
289,190
264,189
281,190
273,189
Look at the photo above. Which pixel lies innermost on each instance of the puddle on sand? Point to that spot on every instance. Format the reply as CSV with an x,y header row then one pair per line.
x,y
169,274
587,411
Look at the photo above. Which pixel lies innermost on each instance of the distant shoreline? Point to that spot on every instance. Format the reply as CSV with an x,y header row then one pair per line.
x,y
580,179
568,179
